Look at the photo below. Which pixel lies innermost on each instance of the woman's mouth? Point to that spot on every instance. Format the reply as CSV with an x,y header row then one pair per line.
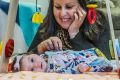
x,y
65,19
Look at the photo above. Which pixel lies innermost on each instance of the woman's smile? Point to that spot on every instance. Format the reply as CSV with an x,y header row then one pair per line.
x,y
65,19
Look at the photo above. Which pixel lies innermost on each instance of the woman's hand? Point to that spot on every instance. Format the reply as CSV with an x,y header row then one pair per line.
x,y
80,15
53,43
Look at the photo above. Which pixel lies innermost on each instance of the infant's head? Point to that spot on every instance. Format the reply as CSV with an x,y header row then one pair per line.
x,y
31,62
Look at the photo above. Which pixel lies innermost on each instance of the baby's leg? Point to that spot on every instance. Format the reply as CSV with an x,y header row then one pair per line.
x,y
101,65
97,65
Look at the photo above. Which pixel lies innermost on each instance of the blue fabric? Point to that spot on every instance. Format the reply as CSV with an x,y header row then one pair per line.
x,y
26,11
117,47
25,30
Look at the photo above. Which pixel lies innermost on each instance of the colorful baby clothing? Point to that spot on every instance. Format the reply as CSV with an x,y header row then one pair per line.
x,y
70,61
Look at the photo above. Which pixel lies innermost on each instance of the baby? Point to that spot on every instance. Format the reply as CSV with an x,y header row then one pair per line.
x,y
63,62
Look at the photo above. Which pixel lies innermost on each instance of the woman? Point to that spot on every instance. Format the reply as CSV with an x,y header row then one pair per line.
x,y
66,27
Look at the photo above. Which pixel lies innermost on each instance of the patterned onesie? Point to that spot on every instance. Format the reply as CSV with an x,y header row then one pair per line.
x,y
67,61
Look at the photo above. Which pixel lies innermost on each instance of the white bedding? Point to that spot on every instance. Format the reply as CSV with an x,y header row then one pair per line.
x,y
54,76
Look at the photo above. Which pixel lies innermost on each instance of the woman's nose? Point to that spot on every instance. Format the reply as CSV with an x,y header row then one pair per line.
x,y
63,12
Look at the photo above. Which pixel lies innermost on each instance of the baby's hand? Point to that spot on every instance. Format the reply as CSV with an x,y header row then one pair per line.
x,y
83,67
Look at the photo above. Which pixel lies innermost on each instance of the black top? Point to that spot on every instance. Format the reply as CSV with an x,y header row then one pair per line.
x,y
80,41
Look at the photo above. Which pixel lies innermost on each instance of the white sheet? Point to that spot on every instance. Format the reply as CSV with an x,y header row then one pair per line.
x,y
54,76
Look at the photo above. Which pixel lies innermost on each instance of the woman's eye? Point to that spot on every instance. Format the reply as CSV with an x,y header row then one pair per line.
x,y
68,7
32,60
57,7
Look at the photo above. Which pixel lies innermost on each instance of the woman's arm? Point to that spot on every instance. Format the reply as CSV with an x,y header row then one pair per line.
x,y
97,35
44,42
80,42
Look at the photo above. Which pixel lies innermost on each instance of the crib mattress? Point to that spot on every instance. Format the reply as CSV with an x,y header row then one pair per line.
x,y
27,75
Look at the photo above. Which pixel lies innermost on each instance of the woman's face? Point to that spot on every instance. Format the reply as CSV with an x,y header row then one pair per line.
x,y
64,10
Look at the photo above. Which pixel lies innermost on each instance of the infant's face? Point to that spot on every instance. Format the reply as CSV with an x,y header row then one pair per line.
x,y
33,62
